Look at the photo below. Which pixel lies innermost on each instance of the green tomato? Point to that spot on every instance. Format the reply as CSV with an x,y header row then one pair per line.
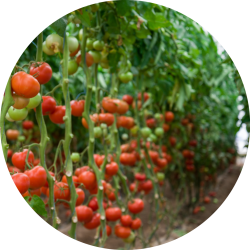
x,y
21,138
98,45
96,55
80,34
35,101
146,132
160,176
46,50
97,132
73,44
130,239
124,137
75,157
55,43
103,125
95,7
134,130
76,20
104,65
157,116
153,138
89,43
126,77
159,132
17,114
8,118
72,67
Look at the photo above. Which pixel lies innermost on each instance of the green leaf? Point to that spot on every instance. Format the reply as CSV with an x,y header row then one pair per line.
x,y
59,26
38,205
180,232
156,20
113,61
122,7
142,32
84,17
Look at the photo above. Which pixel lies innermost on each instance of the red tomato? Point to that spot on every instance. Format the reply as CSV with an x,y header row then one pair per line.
x,y
112,168
128,159
41,71
47,184
169,116
25,85
48,105
108,230
122,232
28,124
162,162
37,192
109,105
94,223
196,210
14,170
113,213
128,99
140,176
78,171
207,200
93,204
126,220
12,134
21,181
136,224
77,107
172,141
136,206
37,176
88,179
75,180
18,159
61,191
145,96
81,196
57,116
153,155
106,118
165,127
84,213
10,152
147,186
121,106
151,123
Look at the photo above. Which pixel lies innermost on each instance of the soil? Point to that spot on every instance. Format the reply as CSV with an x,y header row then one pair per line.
x,y
180,226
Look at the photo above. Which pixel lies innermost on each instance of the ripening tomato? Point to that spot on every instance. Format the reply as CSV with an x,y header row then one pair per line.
x,y
73,44
94,223
48,105
128,159
106,118
41,71
84,213
18,159
113,213
169,116
12,134
122,232
21,181
77,107
89,59
20,102
135,206
88,179
109,105
184,121
112,168
128,99
121,106
57,116
136,224
28,125
165,127
25,85
72,54
37,176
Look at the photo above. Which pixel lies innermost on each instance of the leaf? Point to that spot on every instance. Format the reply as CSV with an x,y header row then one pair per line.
x,y
156,20
84,17
113,61
38,205
59,26
122,7
180,232
143,32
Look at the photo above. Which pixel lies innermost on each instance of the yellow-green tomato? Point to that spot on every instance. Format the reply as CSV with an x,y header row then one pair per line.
x,y
17,114
34,101
75,157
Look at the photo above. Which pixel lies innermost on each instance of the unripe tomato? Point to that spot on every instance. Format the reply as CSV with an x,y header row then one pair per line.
x,y
125,77
113,213
17,114
96,55
95,7
46,50
75,157
72,54
160,176
12,134
48,105
57,116
130,239
34,101
21,181
159,132
89,43
25,85
18,159
20,102
73,44
98,45
112,169
84,213
7,117
153,138
37,176
54,43
88,179
41,71
72,67
28,125
145,132
97,132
